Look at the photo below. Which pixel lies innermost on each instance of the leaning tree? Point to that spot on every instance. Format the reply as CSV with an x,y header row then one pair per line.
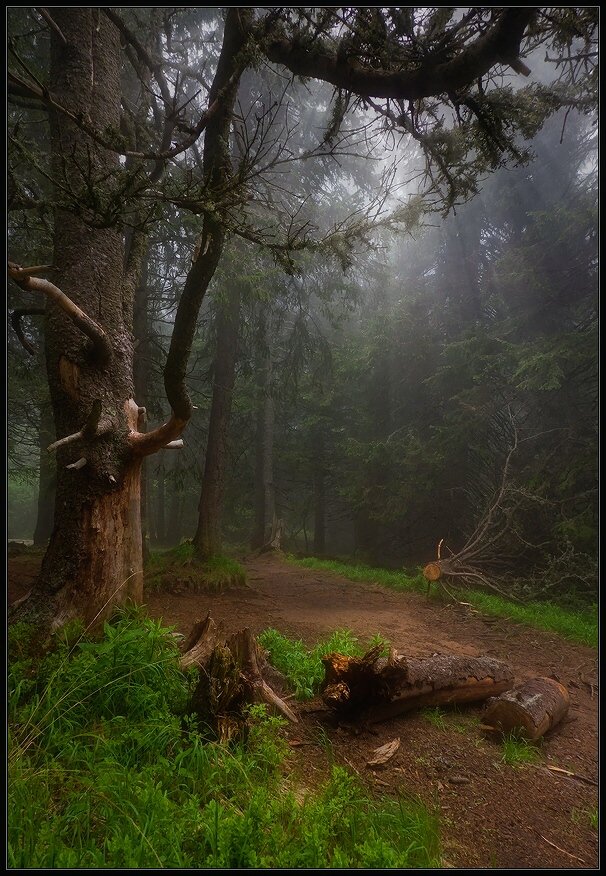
x,y
141,107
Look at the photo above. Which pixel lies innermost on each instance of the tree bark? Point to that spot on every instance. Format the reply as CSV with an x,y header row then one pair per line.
x,y
264,479
319,482
376,688
94,557
141,378
160,505
175,516
207,539
47,478
530,709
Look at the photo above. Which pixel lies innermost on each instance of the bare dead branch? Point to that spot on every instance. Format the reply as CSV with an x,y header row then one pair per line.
x,y
174,445
146,443
102,348
51,22
93,427
475,563
16,317
80,463
25,88
68,439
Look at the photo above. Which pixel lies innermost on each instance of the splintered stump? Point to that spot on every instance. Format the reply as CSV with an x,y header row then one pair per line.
x,y
233,674
530,709
377,688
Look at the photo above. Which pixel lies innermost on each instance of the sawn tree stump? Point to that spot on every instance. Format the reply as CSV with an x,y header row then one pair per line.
x,y
531,709
375,688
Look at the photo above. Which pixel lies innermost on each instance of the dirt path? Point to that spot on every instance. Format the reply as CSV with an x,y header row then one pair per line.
x,y
492,815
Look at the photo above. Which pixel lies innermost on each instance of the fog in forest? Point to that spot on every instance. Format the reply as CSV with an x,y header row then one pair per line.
x,y
398,344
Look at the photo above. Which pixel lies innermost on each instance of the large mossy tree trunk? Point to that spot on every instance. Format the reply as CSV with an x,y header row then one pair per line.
x,y
94,557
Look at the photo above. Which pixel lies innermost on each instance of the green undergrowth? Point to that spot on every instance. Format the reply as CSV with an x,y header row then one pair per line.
x,y
179,567
578,625
359,572
107,769
302,666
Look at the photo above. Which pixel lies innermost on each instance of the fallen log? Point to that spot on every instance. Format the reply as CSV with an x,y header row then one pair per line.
x,y
233,674
530,709
375,688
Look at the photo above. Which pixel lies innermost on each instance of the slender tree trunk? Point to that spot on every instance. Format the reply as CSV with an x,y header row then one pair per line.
x,y
47,479
264,479
207,539
175,513
160,506
319,480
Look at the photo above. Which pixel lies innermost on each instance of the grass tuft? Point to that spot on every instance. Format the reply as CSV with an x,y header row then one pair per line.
x,y
179,567
518,751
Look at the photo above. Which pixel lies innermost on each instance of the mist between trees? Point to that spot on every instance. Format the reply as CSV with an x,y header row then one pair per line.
x,y
348,258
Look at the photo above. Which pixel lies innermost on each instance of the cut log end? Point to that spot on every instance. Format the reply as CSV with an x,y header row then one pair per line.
x,y
530,709
432,572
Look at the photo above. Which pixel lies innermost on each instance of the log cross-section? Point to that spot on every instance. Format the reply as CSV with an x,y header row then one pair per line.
x,y
377,688
531,709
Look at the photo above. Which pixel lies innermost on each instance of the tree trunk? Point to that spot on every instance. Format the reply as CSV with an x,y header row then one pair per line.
x,y
376,688
174,528
264,479
47,479
142,378
319,495
531,709
160,505
94,557
207,539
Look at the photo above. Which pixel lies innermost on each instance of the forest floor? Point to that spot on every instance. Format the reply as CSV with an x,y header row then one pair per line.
x,y
491,814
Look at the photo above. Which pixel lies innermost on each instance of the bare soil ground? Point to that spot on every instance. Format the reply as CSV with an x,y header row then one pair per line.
x,y
492,815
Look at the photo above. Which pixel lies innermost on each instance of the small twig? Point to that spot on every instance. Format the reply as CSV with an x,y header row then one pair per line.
x,y
51,22
564,852
80,463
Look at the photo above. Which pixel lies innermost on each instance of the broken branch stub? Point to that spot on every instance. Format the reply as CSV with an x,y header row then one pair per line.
x,y
377,688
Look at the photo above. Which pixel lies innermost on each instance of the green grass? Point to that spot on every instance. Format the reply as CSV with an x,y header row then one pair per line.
x,y
579,625
586,817
518,751
360,572
435,716
180,566
107,770
303,667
